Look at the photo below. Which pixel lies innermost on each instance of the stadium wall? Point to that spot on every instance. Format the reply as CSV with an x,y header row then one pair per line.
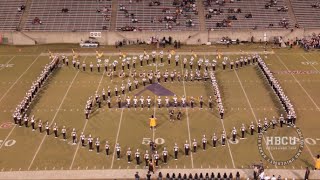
x,y
186,37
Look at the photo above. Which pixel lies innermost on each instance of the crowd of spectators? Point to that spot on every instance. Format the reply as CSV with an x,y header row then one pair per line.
x,y
226,22
217,7
169,18
310,42
161,42
270,3
315,5
104,12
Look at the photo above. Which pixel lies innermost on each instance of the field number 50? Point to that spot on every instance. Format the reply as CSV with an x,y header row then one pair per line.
x,y
8,143
159,141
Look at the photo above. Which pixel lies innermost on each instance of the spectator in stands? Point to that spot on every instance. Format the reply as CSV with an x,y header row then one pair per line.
x,y
154,3
316,5
249,15
189,23
36,20
284,23
283,9
64,10
21,8
122,7
105,10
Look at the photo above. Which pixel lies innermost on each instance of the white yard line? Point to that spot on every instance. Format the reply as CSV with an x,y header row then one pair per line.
x,y
233,164
311,154
119,127
84,127
117,138
7,62
187,115
53,119
85,124
253,113
155,104
18,78
229,148
154,115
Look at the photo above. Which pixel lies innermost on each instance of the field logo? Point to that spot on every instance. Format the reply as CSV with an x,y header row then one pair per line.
x,y
280,146
156,89
6,125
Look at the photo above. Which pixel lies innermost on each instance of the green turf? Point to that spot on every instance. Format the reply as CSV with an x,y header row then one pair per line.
x,y
63,98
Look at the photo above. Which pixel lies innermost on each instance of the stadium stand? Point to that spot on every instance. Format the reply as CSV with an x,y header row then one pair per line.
x,y
69,15
307,12
247,14
10,14
157,15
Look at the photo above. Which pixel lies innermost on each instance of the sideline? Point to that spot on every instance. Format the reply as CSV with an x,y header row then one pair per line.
x,y
129,173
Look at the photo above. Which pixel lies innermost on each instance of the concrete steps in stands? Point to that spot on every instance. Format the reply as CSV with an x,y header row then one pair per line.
x,y
25,14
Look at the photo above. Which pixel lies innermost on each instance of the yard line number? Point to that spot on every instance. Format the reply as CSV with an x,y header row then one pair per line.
x,y
8,143
310,63
6,65
159,141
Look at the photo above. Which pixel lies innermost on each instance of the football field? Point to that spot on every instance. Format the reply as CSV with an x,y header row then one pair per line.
x,y
246,96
